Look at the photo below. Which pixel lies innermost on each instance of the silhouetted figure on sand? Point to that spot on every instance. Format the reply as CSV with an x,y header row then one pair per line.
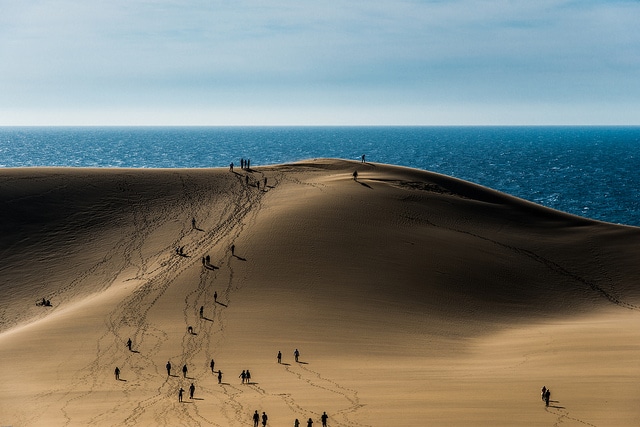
x,y
296,423
547,396
296,354
256,419
201,311
355,175
233,249
212,364
219,376
264,419
279,357
129,344
190,330
248,375
180,393
117,373
231,166
193,223
215,296
184,371
544,390
168,369
324,416
243,376
310,423
362,158
192,389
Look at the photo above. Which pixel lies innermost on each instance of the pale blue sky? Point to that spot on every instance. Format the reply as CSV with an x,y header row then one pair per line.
x,y
298,62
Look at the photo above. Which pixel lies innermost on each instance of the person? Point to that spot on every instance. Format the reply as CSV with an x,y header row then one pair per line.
x,y
243,376
204,261
310,423
547,395
129,344
231,166
117,372
193,223
184,371
192,389
363,158
215,296
256,418
180,392
190,330
296,354
219,376
248,375
296,423
355,175
168,369
264,419
324,414
544,389
265,182
233,250
212,364
201,311
279,357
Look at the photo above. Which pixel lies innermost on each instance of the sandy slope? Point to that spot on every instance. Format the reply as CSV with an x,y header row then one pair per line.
x,y
414,299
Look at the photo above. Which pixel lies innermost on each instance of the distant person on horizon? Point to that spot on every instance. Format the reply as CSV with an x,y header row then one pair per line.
x,y
231,167
363,158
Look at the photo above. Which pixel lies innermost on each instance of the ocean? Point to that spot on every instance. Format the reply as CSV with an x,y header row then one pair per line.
x,y
587,171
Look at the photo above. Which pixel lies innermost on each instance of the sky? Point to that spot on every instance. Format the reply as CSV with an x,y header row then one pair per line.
x,y
299,62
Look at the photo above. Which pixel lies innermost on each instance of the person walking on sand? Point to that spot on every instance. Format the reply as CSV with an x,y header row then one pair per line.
x,y
201,311
231,167
264,419
233,250
180,392
192,389
243,376
547,395
129,344
310,423
184,371
544,389
193,223
324,416
219,376
296,423
212,364
296,354
215,297
248,375
256,419
279,357
355,175
168,369
117,373
362,158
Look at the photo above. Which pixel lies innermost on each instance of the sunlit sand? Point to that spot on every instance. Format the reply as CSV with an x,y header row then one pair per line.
x,y
412,297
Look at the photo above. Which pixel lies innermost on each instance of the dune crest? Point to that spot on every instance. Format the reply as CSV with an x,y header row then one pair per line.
x,y
413,298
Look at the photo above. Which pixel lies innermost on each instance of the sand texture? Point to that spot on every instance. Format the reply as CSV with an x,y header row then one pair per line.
x,y
415,299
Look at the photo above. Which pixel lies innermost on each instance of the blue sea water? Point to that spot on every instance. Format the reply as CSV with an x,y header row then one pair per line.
x,y
587,171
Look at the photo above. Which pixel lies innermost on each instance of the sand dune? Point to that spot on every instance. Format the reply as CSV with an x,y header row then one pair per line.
x,y
414,299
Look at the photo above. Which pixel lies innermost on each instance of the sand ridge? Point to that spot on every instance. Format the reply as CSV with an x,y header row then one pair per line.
x,y
413,297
